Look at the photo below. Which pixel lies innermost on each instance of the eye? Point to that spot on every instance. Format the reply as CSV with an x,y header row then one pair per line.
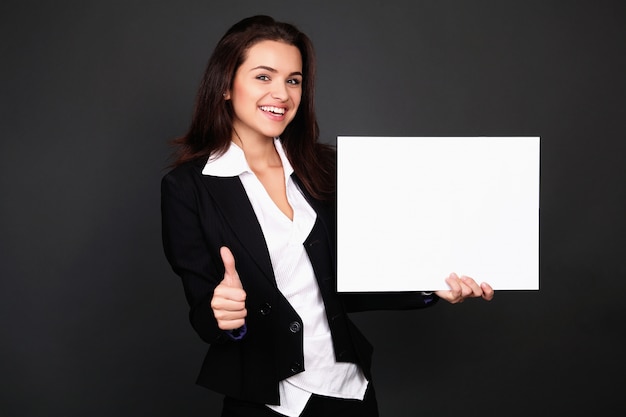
x,y
294,81
262,77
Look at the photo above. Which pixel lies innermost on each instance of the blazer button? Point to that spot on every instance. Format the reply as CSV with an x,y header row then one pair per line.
x,y
266,309
295,327
296,367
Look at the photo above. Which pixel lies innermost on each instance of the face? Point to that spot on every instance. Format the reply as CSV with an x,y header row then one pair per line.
x,y
266,90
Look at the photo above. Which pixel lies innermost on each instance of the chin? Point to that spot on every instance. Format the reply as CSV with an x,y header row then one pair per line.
x,y
274,133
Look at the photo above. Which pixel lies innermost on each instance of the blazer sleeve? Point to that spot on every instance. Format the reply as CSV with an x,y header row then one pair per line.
x,y
188,251
358,302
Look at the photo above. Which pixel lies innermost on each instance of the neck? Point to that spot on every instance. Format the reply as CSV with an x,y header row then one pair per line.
x,y
259,151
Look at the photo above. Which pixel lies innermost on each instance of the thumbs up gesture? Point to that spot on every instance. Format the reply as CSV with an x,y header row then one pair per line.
x,y
229,298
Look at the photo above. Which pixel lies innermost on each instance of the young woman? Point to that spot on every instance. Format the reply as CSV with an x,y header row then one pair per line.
x,y
249,226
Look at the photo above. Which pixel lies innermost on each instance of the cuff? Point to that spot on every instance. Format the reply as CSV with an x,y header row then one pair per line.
x,y
237,334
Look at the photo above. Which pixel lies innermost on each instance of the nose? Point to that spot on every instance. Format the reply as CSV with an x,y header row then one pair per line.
x,y
279,91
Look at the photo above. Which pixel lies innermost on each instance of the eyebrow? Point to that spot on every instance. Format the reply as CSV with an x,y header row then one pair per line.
x,y
273,70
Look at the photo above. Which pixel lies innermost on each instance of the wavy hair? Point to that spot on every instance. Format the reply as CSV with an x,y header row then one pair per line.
x,y
212,122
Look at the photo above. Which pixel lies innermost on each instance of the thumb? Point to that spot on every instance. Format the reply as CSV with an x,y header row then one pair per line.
x,y
231,277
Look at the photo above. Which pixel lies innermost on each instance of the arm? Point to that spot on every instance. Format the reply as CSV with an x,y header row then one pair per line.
x,y
193,259
460,289
387,301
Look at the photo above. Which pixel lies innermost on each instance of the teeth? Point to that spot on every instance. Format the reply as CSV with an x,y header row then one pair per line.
x,y
272,109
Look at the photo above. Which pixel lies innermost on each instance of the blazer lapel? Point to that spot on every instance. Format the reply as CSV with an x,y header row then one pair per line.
x,y
231,197
326,215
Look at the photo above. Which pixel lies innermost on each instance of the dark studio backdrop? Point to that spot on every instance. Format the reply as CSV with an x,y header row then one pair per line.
x,y
95,323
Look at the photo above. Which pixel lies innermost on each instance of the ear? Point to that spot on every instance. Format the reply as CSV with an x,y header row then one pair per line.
x,y
226,95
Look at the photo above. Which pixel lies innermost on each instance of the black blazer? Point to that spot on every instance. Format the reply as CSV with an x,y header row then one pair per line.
x,y
202,213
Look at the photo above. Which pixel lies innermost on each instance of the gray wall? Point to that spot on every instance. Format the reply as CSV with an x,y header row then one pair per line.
x,y
93,320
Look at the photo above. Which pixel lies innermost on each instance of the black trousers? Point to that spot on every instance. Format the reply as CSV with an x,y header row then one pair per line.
x,y
318,406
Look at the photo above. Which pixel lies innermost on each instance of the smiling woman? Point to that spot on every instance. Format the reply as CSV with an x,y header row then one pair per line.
x,y
249,225
211,128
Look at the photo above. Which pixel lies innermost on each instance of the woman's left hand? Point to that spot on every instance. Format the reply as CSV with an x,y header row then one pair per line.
x,y
464,287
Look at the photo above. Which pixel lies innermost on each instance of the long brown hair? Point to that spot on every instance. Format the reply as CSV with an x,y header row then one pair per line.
x,y
212,123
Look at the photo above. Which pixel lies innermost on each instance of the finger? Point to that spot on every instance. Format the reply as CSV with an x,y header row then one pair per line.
x,y
466,291
231,277
455,293
488,292
230,310
223,293
229,314
474,289
231,325
229,260
455,284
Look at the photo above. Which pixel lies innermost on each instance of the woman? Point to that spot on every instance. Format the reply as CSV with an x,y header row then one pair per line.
x,y
249,226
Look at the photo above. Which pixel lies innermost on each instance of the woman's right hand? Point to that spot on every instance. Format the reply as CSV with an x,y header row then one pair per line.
x,y
229,298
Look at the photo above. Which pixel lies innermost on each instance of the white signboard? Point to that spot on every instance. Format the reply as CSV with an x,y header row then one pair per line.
x,y
412,210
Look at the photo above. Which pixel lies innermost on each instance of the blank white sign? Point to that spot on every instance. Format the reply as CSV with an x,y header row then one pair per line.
x,y
412,210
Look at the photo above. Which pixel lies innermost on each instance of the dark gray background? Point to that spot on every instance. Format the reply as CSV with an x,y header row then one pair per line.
x,y
93,320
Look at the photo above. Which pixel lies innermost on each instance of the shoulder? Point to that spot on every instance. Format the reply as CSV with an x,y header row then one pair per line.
x,y
183,180
188,181
185,170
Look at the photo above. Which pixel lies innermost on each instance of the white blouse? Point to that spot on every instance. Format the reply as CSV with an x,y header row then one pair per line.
x,y
296,280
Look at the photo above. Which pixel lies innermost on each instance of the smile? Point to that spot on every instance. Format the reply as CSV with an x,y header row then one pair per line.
x,y
272,109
